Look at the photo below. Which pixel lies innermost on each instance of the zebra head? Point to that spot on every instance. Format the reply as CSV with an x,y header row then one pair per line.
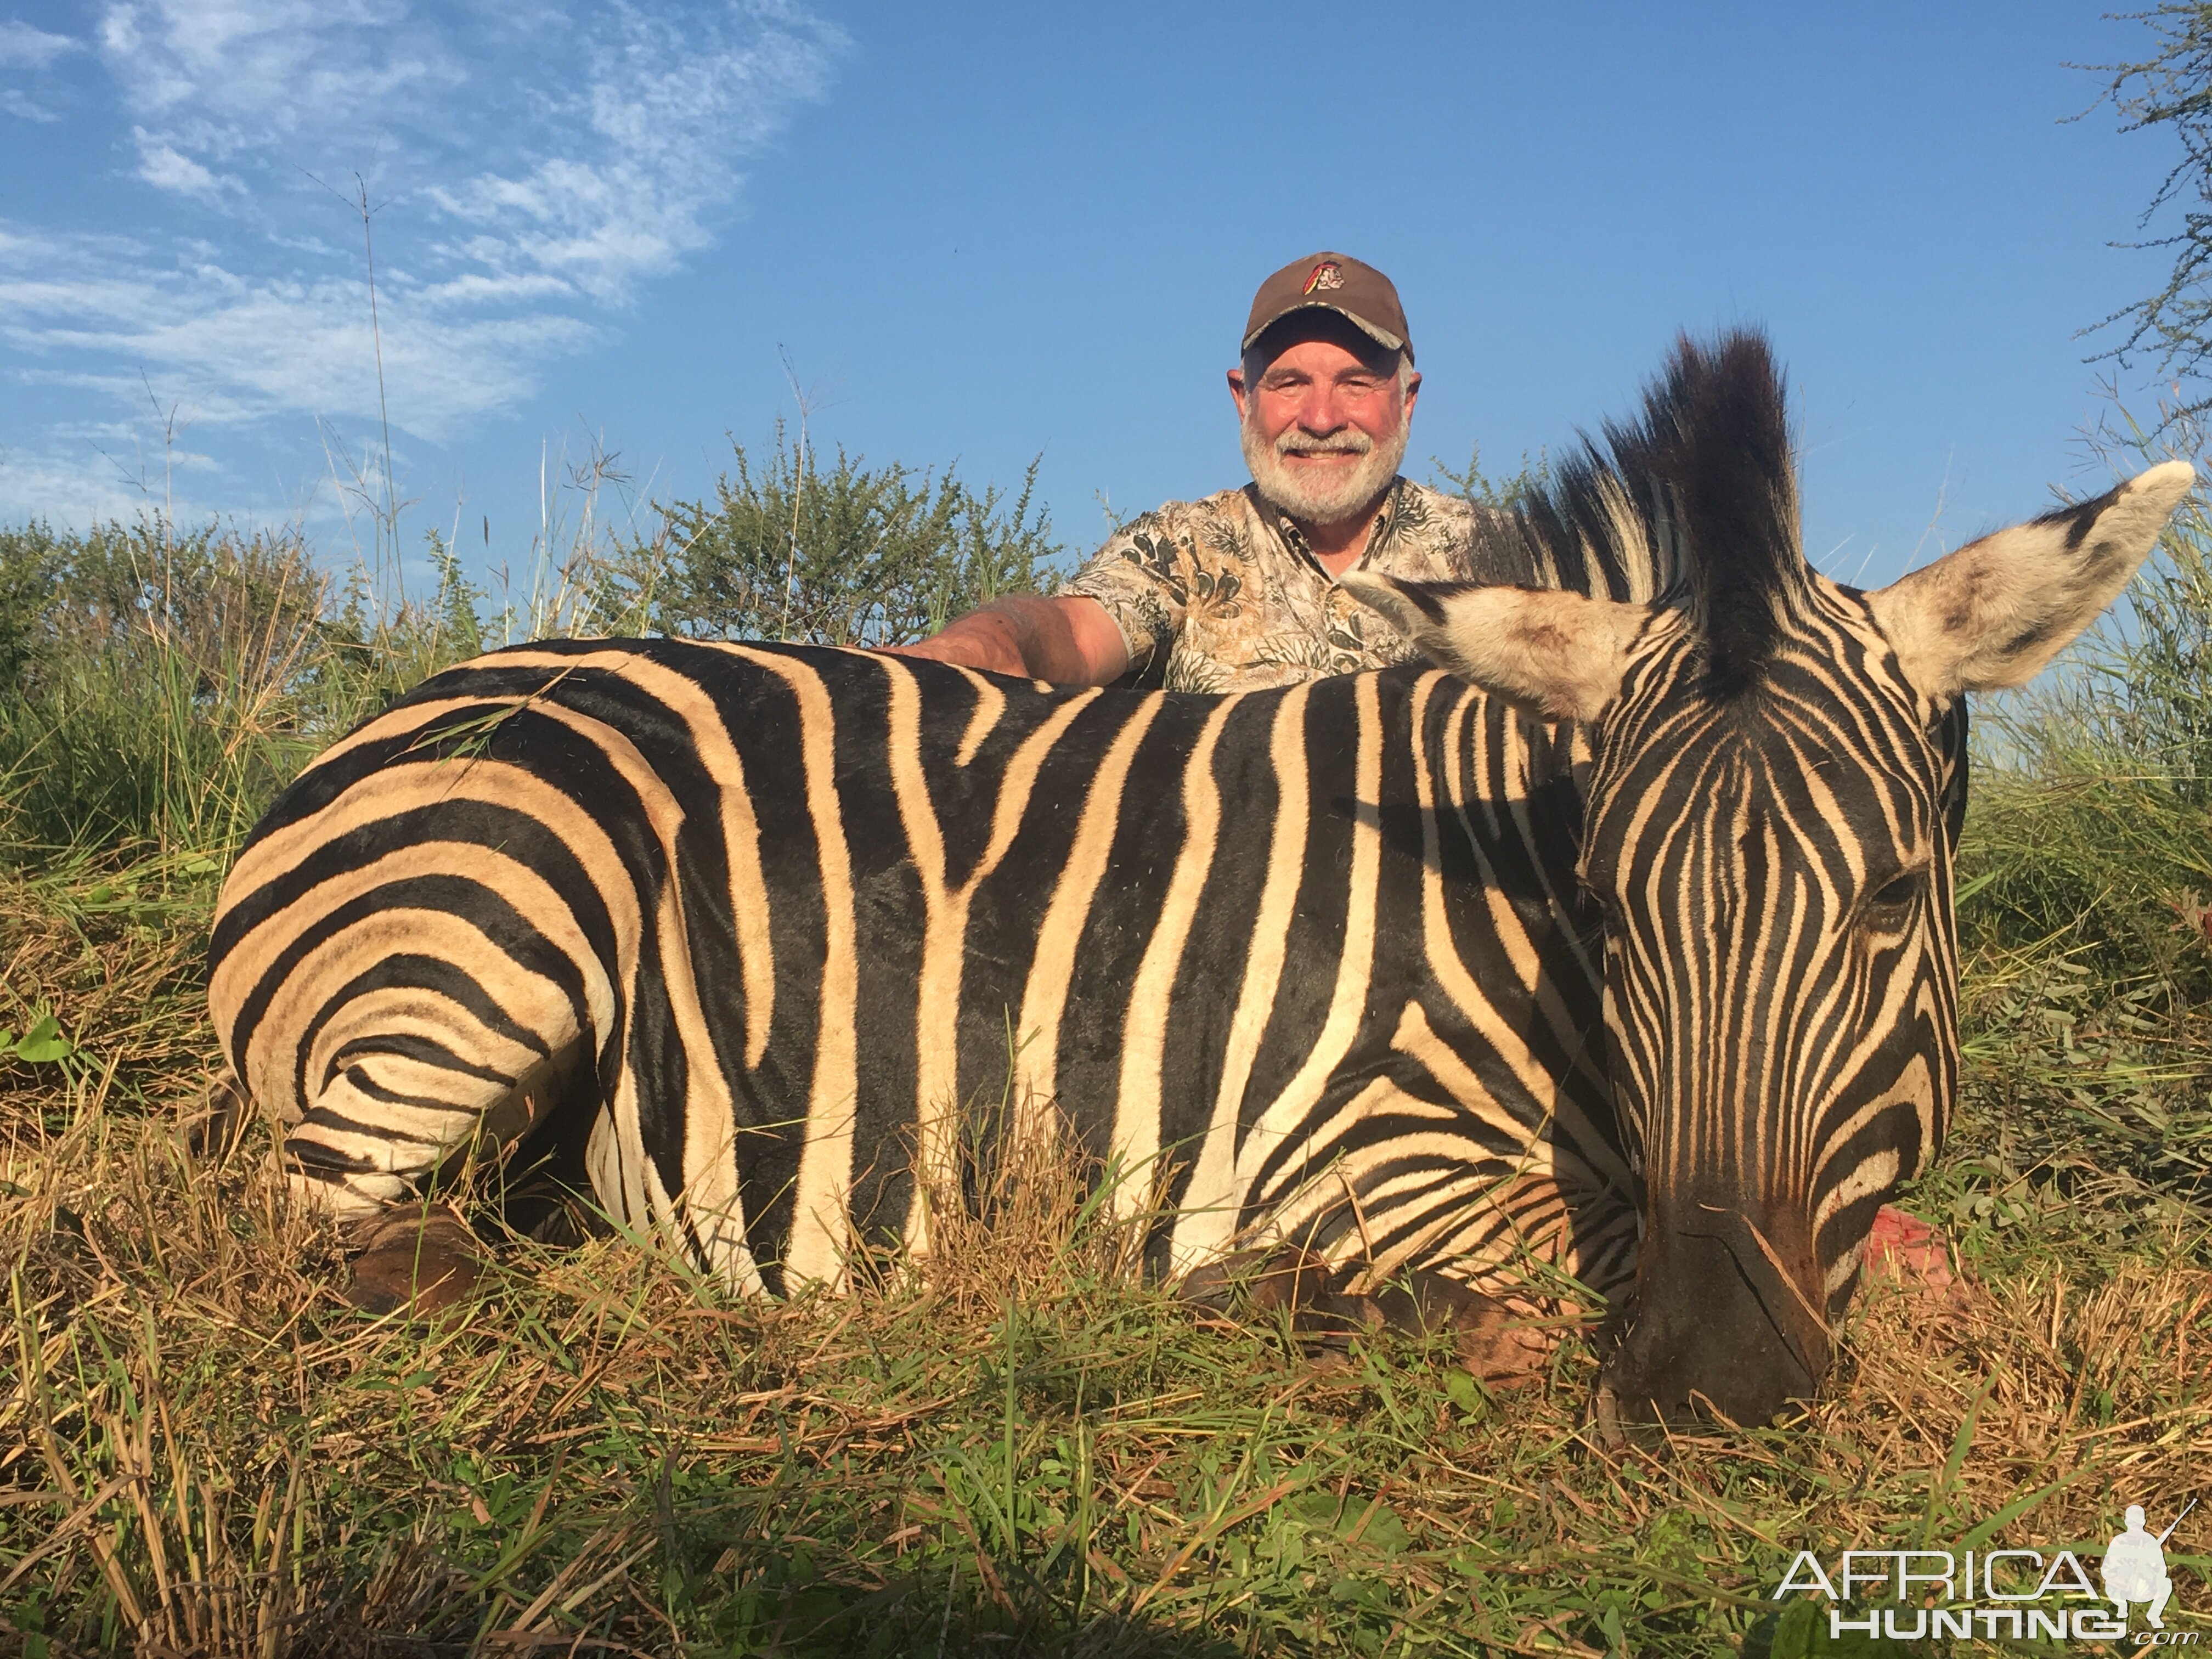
x,y
1777,779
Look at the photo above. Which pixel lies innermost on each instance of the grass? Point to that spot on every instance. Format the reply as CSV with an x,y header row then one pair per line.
x,y
1026,1453
203,1450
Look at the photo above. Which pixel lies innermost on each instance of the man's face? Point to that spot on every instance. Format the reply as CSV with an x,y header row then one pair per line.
x,y
1326,422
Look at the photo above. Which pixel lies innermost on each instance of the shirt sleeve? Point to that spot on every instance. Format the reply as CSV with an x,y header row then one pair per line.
x,y
1142,576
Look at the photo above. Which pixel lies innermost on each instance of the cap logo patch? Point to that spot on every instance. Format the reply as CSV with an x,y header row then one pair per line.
x,y
1326,275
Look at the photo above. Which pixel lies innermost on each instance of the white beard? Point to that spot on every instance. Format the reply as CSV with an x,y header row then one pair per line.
x,y
1330,499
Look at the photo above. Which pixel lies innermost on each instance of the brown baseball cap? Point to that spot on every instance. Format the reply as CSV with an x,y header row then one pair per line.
x,y
1332,282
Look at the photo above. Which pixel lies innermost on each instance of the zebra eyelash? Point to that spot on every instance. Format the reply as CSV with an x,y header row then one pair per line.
x,y
1887,903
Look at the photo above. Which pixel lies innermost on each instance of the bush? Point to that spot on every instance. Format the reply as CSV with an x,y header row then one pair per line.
x,y
859,556
30,558
154,683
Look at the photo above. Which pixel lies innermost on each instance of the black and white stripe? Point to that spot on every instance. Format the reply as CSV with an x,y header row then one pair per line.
x,y
1317,951
1339,961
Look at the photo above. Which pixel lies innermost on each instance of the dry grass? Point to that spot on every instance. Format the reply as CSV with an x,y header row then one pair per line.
x,y
202,1450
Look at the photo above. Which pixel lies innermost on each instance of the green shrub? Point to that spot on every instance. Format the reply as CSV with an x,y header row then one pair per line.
x,y
30,558
858,555
155,683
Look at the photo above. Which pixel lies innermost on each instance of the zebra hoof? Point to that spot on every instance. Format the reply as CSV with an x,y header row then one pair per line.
x,y
428,1263
213,1134
1285,1284
1493,1341
1490,1340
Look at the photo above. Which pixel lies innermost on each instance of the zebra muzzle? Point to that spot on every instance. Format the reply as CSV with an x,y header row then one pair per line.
x,y
1717,1330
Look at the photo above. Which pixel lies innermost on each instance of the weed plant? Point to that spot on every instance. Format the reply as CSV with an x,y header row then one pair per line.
x,y
1022,1449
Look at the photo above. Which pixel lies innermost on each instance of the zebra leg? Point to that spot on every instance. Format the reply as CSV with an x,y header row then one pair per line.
x,y
388,1125
372,1172
544,1130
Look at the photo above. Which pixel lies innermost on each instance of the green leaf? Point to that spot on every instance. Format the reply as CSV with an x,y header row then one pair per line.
x,y
1952,1464
1382,1531
1464,1391
43,1042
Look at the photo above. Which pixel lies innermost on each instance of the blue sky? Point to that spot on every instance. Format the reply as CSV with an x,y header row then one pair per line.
x,y
978,233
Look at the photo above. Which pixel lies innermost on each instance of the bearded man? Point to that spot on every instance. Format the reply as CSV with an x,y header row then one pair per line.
x,y
1239,591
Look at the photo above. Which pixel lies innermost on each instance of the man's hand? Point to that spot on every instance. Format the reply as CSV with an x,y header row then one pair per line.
x,y
1068,641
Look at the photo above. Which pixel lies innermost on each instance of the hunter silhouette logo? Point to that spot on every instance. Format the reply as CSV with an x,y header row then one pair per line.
x,y
1326,275
2135,1566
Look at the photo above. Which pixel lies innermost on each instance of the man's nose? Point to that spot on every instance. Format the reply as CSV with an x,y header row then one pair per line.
x,y
1321,413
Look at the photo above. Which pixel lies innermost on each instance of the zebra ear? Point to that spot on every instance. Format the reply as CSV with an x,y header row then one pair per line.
x,y
1997,611
1556,656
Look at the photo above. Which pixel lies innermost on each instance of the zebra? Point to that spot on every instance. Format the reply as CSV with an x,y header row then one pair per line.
x,y
1611,937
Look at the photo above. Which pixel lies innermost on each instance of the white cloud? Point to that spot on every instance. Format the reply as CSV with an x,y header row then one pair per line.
x,y
238,75
22,47
250,346
91,481
165,168
20,104
669,109
527,171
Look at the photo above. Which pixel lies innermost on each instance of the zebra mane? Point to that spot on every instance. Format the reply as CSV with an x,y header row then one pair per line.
x,y
1695,505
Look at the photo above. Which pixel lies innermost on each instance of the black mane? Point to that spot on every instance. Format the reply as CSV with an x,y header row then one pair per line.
x,y
1695,505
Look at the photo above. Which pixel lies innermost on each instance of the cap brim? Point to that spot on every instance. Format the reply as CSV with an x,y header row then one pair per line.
x,y
1382,337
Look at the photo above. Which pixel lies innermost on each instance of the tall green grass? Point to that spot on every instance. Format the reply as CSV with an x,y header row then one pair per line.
x,y
2092,789
164,685
2086,859
160,684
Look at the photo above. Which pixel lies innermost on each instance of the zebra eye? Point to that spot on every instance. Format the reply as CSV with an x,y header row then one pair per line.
x,y
1897,894
1609,911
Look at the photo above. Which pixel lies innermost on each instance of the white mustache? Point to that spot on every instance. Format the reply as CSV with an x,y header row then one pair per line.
x,y
1322,494
1295,442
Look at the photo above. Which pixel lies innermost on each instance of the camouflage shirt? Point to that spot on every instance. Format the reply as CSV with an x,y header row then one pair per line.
x,y
1226,594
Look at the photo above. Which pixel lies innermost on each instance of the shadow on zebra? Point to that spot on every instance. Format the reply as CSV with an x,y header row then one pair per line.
x,y
1608,951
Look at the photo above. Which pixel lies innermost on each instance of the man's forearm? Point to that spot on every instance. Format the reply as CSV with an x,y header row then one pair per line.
x,y
1042,638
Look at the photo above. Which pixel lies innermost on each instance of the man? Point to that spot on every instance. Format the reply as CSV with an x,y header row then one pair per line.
x,y
1239,591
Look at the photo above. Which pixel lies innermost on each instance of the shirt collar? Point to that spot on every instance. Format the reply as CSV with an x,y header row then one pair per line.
x,y
1287,530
